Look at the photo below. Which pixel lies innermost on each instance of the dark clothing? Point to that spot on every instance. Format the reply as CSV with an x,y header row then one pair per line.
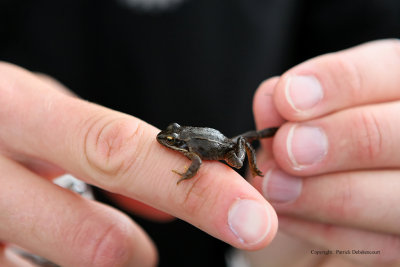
x,y
196,64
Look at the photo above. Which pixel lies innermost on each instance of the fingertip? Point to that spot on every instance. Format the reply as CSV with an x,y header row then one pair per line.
x,y
224,205
299,149
253,223
280,149
264,109
297,95
267,86
283,99
340,80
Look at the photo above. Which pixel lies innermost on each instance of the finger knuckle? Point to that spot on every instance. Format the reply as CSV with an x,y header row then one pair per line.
x,y
368,136
350,76
110,146
341,205
104,244
111,249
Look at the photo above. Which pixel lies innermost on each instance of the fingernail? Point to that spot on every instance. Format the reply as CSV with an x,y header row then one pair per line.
x,y
306,145
249,221
281,187
303,92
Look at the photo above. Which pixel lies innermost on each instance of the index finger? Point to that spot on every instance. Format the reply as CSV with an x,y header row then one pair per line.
x,y
119,153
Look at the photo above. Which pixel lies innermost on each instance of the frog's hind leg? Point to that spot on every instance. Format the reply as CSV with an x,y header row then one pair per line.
x,y
251,155
235,157
193,168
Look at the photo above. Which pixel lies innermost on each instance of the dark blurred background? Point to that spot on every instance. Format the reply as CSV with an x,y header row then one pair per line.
x,y
195,62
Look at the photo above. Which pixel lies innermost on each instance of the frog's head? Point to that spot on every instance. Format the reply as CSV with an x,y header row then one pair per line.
x,y
170,137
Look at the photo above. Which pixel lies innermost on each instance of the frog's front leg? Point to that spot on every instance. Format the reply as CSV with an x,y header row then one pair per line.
x,y
235,157
193,168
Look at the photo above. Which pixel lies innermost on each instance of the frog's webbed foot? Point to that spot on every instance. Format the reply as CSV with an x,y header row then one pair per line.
x,y
193,168
251,155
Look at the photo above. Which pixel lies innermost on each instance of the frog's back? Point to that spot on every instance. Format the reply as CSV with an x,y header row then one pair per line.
x,y
203,133
208,143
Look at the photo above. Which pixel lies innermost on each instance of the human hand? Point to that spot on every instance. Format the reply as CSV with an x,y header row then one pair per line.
x,y
335,176
45,132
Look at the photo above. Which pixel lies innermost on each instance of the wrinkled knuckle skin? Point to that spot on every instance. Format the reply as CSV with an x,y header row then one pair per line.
x,y
350,76
102,238
103,244
112,249
369,137
342,204
109,146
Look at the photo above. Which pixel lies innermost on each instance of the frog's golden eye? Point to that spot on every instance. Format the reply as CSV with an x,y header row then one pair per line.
x,y
170,138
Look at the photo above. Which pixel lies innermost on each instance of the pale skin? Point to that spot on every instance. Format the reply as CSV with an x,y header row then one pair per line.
x,y
117,153
350,193
46,131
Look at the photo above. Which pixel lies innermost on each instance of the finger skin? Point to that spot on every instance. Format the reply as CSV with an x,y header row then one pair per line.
x,y
64,227
303,253
119,153
361,131
342,241
357,135
138,208
362,199
359,138
266,114
366,74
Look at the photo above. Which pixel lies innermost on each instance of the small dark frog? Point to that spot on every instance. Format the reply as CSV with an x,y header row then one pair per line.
x,y
199,143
